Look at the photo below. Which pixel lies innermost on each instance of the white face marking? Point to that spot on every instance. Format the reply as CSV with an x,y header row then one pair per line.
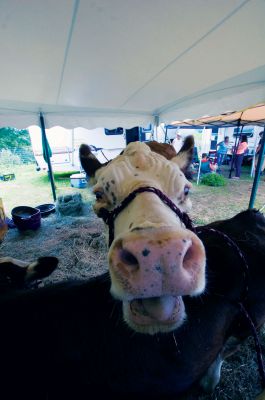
x,y
138,166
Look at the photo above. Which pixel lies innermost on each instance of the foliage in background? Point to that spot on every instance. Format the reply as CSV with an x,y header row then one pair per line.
x,y
15,156
17,143
12,137
7,158
213,180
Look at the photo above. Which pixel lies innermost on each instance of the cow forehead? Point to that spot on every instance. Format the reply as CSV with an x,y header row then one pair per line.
x,y
139,166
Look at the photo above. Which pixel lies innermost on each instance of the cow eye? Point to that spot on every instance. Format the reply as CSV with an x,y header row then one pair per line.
x,y
186,190
99,195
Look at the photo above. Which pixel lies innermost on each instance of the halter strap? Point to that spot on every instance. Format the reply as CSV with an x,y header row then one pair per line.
x,y
110,216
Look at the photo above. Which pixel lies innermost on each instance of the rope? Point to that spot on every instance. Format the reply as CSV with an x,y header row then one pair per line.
x,y
253,329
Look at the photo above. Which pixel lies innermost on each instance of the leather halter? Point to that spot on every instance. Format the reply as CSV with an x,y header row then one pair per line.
x,y
110,216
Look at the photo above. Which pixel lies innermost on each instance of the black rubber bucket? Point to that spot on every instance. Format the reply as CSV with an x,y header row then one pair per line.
x,y
46,209
25,217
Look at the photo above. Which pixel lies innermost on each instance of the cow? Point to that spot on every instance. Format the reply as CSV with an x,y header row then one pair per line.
x,y
135,168
69,340
154,260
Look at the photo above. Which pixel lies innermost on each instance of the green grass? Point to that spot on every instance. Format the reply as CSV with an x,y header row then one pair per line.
x,y
210,203
33,187
213,180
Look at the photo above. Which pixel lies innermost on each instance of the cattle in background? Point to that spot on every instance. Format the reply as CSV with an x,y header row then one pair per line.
x,y
69,340
154,260
17,274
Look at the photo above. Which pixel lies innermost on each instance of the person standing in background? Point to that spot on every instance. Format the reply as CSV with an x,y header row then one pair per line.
x,y
242,149
222,149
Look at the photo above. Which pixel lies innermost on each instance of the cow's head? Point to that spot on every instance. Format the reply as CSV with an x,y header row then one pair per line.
x,y
154,259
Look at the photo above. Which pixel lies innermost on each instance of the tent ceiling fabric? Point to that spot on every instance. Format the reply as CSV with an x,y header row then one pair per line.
x,y
116,63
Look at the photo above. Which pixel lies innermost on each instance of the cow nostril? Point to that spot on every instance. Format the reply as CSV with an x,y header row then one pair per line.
x,y
188,257
128,258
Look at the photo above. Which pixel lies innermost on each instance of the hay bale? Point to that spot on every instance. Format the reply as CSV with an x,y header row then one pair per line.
x,y
71,204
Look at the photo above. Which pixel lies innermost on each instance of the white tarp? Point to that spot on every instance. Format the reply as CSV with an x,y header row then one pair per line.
x,y
116,63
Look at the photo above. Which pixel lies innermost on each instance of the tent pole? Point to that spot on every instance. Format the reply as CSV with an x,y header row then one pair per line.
x,y
254,158
156,124
257,174
42,125
199,172
200,159
165,139
73,146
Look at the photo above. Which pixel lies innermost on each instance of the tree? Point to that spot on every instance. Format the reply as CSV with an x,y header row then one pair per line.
x,y
14,138
8,158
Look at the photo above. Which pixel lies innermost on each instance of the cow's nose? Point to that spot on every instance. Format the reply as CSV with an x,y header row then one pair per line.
x,y
154,263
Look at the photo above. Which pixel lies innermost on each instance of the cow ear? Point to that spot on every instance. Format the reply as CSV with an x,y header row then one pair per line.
x,y
185,155
88,161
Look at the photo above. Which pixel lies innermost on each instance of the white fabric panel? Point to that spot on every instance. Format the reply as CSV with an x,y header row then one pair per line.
x,y
90,121
75,119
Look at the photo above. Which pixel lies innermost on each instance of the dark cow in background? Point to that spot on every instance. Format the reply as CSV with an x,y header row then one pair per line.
x,y
69,340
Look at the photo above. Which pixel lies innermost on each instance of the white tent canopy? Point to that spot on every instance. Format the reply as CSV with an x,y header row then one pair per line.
x,y
123,63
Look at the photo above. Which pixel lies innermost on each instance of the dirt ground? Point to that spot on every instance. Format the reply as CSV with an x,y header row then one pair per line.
x,y
79,243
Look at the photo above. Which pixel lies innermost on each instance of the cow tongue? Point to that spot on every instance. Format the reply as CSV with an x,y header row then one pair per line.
x,y
159,308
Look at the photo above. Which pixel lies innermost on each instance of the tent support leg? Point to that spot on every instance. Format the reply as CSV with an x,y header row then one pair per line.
x,y
257,174
42,125
156,125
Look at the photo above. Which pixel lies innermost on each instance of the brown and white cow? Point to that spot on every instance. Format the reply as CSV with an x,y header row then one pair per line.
x,y
154,259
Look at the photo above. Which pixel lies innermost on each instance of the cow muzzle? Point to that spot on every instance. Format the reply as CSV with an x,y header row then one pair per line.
x,y
151,269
